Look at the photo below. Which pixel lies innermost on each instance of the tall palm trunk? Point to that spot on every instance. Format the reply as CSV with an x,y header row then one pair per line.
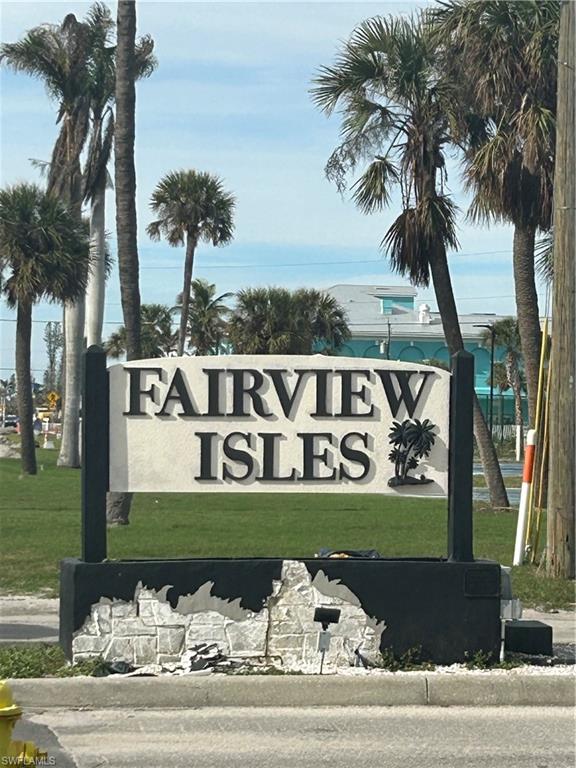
x,y
69,188
97,277
24,384
449,315
69,455
125,176
118,506
188,267
451,326
527,309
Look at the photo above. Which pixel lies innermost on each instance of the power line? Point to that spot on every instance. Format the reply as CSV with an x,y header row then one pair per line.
x,y
310,263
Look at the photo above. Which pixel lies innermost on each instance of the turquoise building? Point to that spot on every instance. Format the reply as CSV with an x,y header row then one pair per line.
x,y
386,324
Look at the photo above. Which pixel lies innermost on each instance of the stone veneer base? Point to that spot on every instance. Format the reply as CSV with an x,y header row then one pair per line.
x,y
151,611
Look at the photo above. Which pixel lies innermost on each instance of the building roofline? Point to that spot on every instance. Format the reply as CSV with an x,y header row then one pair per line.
x,y
397,290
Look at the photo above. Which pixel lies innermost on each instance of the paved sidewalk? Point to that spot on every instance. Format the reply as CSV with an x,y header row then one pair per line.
x,y
563,624
28,619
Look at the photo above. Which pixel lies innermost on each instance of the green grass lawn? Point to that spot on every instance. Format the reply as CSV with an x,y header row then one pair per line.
x,y
40,524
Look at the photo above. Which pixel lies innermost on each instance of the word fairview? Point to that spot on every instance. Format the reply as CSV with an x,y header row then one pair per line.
x,y
344,394
269,423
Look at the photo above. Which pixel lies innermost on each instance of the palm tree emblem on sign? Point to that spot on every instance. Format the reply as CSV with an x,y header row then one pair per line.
x,y
412,440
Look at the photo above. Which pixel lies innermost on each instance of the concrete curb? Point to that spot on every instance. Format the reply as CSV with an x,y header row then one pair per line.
x,y
295,691
502,690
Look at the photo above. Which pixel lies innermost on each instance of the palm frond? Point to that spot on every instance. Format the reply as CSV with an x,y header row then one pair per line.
x,y
145,62
192,203
406,250
43,166
507,53
413,238
44,250
544,253
372,190
437,218
99,151
41,54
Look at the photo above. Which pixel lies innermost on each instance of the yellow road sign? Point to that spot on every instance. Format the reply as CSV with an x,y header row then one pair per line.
x,y
52,398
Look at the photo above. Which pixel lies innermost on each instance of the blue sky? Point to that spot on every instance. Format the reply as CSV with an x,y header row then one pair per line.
x,y
230,96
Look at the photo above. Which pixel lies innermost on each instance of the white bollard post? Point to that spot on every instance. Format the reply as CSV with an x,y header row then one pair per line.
x,y
524,497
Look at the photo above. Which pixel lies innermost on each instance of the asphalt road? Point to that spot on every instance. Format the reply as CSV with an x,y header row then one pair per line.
x,y
483,494
368,737
508,468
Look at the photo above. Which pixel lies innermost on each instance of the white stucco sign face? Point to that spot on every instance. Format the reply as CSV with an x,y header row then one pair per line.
x,y
279,423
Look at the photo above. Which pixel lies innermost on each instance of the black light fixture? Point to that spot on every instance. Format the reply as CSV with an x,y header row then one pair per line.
x,y
325,616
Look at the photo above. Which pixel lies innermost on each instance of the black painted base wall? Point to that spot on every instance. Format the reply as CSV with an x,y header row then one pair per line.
x,y
448,609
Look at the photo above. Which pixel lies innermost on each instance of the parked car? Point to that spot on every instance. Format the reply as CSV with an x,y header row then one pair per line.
x,y
10,421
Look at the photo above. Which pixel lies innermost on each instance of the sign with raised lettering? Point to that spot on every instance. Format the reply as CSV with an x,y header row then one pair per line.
x,y
279,423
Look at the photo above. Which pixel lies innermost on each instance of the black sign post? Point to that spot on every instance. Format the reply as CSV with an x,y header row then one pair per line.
x,y
95,451
461,456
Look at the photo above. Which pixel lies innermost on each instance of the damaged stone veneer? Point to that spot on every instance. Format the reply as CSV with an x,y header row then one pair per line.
x,y
149,631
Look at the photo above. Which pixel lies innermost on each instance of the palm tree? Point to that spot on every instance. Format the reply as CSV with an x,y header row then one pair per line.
x,y
102,82
328,321
506,55
192,206
125,174
44,254
95,179
207,313
157,339
54,339
500,378
58,55
394,110
118,504
76,63
269,321
262,323
507,335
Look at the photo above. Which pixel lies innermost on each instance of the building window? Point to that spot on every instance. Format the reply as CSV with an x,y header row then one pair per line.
x,y
392,305
387,306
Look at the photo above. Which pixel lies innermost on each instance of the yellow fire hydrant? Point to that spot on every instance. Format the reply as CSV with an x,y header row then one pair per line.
x,y
15,752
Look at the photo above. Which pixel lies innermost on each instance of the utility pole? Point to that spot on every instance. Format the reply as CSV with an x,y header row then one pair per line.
x,y
561,491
